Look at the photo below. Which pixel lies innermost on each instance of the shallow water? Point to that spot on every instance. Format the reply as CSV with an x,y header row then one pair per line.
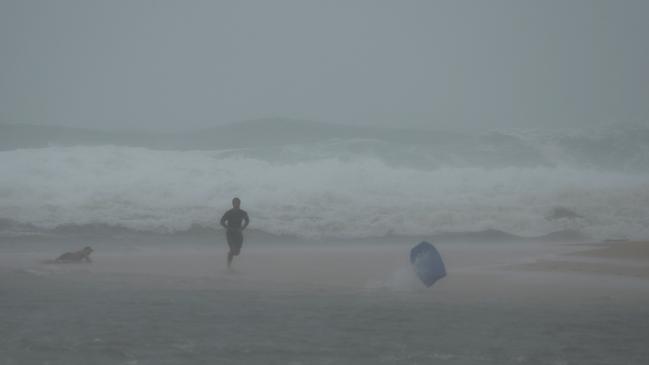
x,y
88,314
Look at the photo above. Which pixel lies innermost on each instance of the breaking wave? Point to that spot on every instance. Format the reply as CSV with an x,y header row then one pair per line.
x,y
339,188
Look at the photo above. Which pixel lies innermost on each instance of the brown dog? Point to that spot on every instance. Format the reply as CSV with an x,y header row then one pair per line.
x,y
77,256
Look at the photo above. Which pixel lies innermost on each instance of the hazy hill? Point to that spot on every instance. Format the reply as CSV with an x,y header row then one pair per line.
x,y
296,140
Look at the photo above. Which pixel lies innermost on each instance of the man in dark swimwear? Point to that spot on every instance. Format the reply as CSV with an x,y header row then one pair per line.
x,y
231,220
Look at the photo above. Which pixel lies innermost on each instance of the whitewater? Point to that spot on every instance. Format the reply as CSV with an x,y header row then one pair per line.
x,y
325,190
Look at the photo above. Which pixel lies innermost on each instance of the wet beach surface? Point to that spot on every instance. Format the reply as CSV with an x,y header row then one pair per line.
x,y
312,305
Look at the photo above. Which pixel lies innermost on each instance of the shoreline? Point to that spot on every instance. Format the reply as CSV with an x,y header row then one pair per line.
x,y
527,272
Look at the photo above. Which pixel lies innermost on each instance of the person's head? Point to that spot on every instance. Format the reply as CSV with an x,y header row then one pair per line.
x,y
236,202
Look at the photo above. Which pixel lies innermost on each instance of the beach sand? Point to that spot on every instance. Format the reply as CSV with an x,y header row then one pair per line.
x,y
628,259
476,271
327,303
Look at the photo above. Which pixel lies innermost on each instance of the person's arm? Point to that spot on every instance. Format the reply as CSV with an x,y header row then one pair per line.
x,y
246,221
224,219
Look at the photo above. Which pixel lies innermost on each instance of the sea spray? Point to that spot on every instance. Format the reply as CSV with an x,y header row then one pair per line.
x,y
351,196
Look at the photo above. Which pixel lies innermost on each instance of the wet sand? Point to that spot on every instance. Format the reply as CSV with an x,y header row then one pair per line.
x,y
510,303
508,272
625,259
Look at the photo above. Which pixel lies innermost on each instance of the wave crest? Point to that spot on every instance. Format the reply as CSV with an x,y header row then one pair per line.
x,y
351,197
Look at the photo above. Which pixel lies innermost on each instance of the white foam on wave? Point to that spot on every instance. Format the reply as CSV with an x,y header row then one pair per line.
x,y
357,197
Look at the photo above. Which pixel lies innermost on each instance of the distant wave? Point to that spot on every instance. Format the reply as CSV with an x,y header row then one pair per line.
x,y
351,195
624,149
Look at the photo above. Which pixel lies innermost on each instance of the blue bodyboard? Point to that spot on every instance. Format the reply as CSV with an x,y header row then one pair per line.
x,y
427,263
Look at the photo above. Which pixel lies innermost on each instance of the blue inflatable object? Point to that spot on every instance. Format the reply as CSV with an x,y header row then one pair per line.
x,y
428,263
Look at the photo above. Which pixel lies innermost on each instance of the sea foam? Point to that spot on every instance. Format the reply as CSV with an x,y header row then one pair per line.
x,y
352,197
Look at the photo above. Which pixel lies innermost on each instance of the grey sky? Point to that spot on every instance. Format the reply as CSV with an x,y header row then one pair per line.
x,y
188,64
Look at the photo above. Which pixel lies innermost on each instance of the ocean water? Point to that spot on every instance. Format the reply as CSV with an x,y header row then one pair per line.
x,y
337,188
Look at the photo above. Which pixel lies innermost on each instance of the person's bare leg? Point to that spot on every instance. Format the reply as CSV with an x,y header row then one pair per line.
x,y
230,256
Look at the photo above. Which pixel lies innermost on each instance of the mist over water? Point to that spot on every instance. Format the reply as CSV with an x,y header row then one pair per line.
x,y
324,181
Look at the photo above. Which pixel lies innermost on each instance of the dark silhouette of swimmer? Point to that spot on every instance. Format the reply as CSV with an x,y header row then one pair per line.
x,y
232,221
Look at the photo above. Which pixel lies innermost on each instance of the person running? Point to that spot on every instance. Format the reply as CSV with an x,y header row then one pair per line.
x,y
232,221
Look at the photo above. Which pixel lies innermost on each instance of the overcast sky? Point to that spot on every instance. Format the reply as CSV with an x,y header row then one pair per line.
x,y
189,64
